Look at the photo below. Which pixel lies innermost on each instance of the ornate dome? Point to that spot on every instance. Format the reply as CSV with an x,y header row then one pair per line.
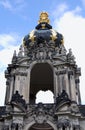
x,y
43,34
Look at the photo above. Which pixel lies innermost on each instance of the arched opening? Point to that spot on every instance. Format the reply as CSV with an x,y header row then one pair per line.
x,y
43,126
44,97
41,78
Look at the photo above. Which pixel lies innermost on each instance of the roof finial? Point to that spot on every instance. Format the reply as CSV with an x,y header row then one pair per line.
x,y
44,18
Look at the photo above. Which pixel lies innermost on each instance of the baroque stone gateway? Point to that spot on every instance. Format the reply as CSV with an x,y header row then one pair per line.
x,y
42,64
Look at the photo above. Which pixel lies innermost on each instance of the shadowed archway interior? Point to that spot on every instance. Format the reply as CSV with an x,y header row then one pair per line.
x,y
41,79
43,126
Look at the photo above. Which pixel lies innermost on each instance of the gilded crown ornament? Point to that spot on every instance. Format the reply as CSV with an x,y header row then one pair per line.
x,y
44,18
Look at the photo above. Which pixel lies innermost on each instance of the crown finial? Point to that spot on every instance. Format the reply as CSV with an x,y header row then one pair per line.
x,y
44,18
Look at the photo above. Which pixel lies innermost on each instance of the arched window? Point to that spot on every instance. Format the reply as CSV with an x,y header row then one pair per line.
x,y
41,78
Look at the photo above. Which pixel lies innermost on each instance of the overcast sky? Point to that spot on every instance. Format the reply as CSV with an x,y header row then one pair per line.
x,y
19,17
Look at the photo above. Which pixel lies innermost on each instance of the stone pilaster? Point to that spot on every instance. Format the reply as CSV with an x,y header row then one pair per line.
x,y
78,90
55,87
73,89
66,83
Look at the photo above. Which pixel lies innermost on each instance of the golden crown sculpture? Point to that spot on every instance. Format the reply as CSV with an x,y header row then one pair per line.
x,y
44,18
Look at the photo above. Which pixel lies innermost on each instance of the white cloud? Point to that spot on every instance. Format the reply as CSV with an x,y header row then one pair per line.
x,y
9,43
7,40
6,4
6,55
5,59
19,1
13,5
83,2
59,10
72,26
2,88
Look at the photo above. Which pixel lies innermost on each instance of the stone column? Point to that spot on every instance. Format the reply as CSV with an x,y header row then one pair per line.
x,y
56,91
12,84
7,92
55,88
17,82
60,79
66,83
78,91
73,90
58,83
27,83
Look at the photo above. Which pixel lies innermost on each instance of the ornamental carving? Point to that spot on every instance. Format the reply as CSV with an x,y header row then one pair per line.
x,y
41,112
63,123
